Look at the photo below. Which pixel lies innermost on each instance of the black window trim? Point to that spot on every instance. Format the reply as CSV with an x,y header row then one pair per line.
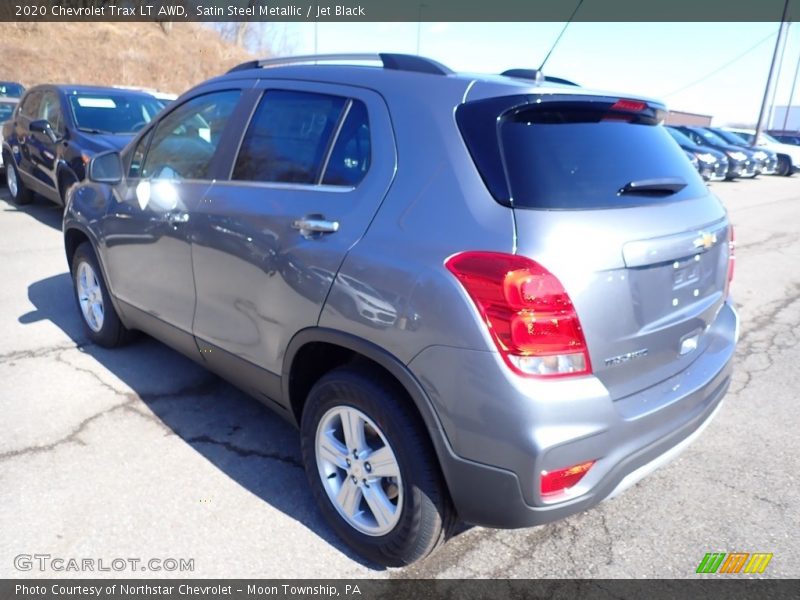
x,y
326,158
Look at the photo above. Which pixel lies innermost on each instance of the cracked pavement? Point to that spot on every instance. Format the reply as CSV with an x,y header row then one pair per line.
x,y
141,453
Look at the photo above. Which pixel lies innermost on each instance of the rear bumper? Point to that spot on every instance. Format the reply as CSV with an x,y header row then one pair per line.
x,y
502,437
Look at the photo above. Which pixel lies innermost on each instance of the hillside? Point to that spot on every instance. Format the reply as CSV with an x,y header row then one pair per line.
x,y
132,54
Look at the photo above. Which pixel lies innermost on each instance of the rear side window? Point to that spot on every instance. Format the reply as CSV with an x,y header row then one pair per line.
x,y
351,154
580,155
294,136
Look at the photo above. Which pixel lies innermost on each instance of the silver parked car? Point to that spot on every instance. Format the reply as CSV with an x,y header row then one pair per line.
x,y
480,298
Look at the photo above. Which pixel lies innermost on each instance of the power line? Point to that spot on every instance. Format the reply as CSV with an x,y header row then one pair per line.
x,y
725,66
563,29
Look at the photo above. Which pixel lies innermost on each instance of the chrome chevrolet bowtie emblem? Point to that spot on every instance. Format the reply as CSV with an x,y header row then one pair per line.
x,y
705,240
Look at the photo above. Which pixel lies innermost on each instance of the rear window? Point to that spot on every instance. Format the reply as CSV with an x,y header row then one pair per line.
x,y
581,154
11,90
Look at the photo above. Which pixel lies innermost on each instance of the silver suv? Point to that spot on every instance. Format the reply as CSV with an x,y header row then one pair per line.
x,y
481,298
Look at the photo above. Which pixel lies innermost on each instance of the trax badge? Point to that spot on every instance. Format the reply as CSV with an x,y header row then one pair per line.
x,y
617,360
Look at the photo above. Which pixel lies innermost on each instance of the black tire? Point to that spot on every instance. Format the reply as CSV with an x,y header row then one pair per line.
x,y
427,516
784,168
22,195
112,332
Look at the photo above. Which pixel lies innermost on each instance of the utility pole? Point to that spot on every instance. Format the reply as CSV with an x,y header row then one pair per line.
x,y
778,75
419,25
781,33
791,95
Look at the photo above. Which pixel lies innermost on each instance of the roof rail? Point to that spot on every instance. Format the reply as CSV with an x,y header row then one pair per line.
x,y
397,62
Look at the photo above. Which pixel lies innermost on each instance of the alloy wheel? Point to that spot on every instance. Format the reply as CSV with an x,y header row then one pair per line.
x,y
90,296
359,470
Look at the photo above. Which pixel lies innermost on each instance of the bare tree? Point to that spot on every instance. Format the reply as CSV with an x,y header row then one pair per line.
x,y
241,27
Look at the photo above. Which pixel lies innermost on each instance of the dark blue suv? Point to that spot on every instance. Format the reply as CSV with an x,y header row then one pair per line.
x,y
57,129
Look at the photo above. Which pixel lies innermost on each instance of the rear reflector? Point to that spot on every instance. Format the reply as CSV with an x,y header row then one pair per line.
x,y
731,257
556,482
527,312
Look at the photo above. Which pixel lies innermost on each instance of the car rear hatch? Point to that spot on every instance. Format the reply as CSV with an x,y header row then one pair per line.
x,y
609,204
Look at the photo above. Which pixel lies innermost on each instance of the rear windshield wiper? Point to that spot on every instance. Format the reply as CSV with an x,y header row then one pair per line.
x,y
663,186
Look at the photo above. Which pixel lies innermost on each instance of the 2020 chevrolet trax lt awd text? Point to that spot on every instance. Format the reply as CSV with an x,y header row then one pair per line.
x,y
481,298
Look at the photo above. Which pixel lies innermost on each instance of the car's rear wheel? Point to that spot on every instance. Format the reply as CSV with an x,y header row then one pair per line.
x,y
19,193
102,323
372,469
784,166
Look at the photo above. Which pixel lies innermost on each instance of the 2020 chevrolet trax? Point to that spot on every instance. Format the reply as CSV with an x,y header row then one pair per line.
x,y
485,298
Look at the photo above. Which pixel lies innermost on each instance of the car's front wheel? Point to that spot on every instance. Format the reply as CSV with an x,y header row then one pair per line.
x,y
372,469
91,294
19,193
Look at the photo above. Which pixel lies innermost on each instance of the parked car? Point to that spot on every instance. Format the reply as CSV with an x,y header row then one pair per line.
x,y
509,300
785,137
693,159
741,161
788,154
11,89
58,128
7,107
766,159
713,164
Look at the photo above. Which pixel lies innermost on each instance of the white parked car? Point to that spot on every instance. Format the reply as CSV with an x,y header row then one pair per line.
x,y
788,154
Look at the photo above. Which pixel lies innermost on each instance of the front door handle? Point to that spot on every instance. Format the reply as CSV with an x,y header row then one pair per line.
x,y
177,218
312,225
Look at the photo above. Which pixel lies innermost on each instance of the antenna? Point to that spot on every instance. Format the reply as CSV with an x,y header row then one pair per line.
x,y
553,47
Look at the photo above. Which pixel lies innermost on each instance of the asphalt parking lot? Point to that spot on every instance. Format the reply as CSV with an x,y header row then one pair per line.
x,y
140,453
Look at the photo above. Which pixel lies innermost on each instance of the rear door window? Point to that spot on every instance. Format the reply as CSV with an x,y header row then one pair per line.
x,y
289,140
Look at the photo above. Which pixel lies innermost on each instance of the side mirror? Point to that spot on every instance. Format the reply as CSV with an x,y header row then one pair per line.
x,y
106,167
43,127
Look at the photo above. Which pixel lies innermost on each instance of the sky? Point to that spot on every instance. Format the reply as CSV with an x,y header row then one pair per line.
x,y
679,63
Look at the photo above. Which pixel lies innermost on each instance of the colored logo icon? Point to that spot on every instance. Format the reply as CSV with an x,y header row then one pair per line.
x,y
735,562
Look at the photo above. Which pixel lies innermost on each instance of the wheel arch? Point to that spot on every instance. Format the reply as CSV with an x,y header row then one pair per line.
x,y
65,170
74,235
343,348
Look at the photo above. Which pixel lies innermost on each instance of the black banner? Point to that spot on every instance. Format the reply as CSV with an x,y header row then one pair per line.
x,y
711,588
396,10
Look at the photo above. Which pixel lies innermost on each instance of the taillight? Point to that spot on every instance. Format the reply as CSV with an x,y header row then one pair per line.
x,y
731,257
528,313
556,482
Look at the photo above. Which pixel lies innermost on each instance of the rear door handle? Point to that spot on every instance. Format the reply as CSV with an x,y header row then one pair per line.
x,y
315,224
